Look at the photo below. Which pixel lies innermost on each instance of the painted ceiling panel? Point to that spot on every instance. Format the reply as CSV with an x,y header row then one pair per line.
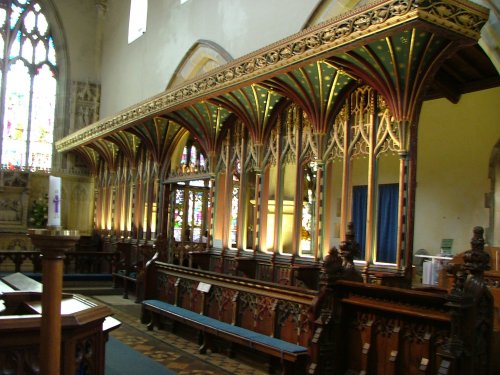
x,y
108,151
316,88
253,105
204,120
397,65
158,135
127,143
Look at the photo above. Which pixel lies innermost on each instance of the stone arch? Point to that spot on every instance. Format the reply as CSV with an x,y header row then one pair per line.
x,y
202,57
327,9
490,33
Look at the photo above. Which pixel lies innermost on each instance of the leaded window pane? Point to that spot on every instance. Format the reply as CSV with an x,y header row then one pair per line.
x,y
51,56
42,116
15,14
27,49
16,116
29,22
16,46
3,16
40,53
42,24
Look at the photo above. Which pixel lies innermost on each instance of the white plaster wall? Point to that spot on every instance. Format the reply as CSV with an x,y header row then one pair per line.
x,y
135,72
79,22
455,142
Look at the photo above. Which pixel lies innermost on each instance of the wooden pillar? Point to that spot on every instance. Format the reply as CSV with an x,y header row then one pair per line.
x,y
53,244
318,214
257,212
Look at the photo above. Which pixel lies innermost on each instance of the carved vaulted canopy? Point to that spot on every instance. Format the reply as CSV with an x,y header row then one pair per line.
x,y
315,87
253,105
394,46
204,120
158,135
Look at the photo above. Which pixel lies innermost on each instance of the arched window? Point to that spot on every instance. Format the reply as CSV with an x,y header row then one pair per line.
x,y
28,84
190,200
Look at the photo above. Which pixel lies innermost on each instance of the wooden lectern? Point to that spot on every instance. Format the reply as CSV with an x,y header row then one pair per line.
x,y
84,330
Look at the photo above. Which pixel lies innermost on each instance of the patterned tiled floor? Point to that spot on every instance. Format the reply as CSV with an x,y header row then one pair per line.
x,y
178,352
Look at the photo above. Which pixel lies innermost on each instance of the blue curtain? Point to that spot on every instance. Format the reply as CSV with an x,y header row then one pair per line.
x,y
387,223
359,199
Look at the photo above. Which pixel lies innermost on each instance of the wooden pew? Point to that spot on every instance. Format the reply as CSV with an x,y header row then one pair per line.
x,y
270,267
129,271
373,329
352,327
263,316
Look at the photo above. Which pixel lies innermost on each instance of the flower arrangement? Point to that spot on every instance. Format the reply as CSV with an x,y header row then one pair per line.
x,y
39,212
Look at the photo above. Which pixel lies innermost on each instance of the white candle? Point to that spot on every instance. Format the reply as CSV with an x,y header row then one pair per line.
x,y
54,214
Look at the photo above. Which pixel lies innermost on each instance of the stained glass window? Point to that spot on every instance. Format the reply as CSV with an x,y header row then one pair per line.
x,y
192,160
184,156
308,208
196,214
28,80
178,214
235,199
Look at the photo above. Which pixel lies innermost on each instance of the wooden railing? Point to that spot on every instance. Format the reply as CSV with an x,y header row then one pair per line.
x,y
76,262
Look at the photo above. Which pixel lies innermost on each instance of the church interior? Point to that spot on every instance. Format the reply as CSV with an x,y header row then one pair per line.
x,y
296,187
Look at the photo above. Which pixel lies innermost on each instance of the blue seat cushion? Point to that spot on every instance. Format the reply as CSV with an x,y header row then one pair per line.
x,y
283,346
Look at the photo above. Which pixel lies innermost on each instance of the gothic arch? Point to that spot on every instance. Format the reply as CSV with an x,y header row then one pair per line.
x,y
61,123
202,57
327,9
490,34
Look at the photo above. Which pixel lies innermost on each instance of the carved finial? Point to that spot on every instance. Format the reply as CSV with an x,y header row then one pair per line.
x,y
476,260
332,267
477,241
349,247
340,264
